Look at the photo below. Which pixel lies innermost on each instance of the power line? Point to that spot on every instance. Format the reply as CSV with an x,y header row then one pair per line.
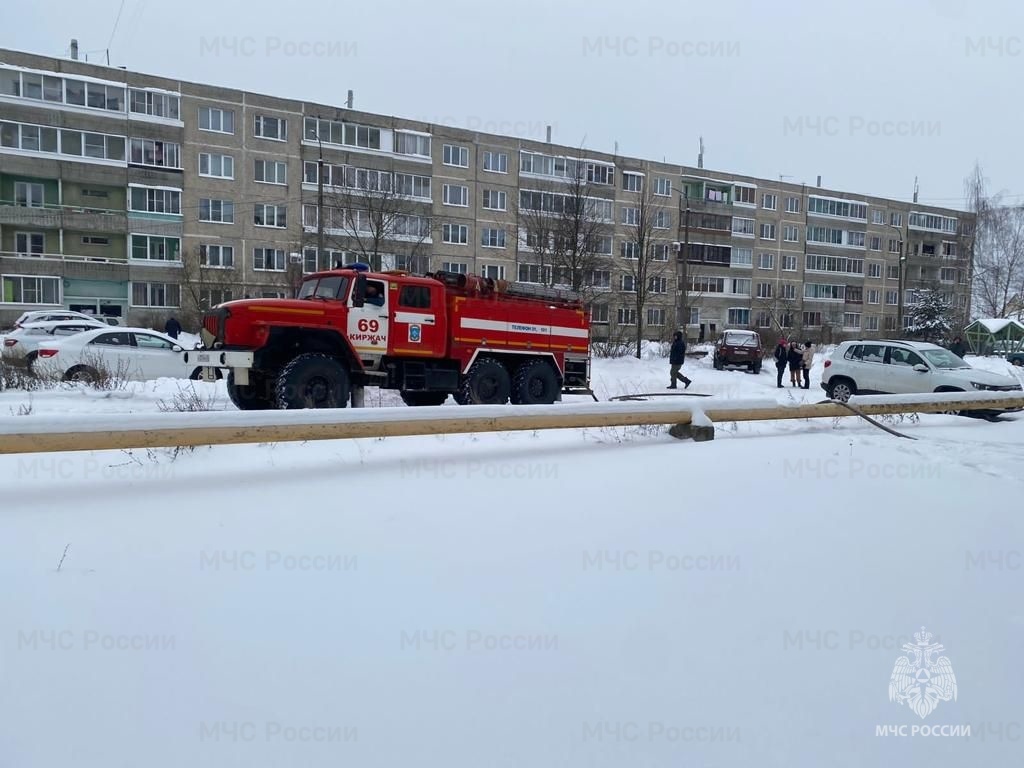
x,y
114,30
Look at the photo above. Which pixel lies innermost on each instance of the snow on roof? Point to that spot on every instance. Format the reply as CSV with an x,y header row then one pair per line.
x,y
996,324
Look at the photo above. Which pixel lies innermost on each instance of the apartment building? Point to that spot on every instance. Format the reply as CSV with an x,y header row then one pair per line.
x,y
141,197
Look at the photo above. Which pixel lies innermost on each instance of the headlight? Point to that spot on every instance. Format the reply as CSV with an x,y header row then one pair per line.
x,y
976,385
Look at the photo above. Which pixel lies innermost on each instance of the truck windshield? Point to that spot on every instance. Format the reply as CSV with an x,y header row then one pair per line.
x,y
332,287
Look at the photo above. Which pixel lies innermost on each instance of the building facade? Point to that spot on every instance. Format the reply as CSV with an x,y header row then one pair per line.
x,y
143,197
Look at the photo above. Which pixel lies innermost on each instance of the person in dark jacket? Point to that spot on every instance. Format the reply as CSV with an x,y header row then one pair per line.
x,y
173,328
676,358
796,362
781,358
958,347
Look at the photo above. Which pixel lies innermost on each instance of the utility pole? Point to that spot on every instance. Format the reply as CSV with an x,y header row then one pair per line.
x,y
900,282
684,309
319,196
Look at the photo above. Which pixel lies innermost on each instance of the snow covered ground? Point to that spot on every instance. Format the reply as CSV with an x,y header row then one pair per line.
x,y
602,597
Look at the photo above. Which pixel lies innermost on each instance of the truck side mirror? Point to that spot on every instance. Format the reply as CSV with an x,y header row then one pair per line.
x,y
359,291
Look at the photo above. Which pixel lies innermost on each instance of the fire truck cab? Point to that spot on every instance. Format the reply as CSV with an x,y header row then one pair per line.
x,y
477,339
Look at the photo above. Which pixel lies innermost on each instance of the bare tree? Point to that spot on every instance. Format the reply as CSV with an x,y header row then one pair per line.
x,y
646,253
537,232
998,251
584,221
206,280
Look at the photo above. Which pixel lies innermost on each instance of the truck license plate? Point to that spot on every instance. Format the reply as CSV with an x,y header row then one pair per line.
x,y
204,357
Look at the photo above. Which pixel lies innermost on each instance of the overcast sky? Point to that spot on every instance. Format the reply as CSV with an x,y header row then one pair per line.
x,y
868,94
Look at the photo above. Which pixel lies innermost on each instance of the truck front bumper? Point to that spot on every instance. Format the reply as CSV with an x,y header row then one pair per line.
x,y
211,359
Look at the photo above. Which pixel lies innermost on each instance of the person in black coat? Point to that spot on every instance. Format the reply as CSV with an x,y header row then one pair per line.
x,y
676,358
781,359
796,362
958,347
173,328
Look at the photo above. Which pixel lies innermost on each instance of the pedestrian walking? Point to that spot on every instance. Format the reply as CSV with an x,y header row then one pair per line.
x,y
676,358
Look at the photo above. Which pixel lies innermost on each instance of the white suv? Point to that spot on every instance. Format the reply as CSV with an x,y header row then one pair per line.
x,y
903,367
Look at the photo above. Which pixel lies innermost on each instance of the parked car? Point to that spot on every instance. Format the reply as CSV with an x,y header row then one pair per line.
x,y
134,354
1015,358
55,315
21,345
905,367
735,347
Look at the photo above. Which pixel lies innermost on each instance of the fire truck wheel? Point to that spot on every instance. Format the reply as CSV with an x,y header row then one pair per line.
x,y
313,381
248,398
535,384
424,398
487,383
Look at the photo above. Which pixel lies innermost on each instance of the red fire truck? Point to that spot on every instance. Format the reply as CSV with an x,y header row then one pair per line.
x,y
478,339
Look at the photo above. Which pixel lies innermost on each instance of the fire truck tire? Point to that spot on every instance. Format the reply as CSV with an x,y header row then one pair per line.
x,y
313,381
424,398
248,398
535,383
487,383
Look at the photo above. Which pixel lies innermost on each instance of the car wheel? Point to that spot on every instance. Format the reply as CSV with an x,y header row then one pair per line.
x,y
83,374
841,390
952,411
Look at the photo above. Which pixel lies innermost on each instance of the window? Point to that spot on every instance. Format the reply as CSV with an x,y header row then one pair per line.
x,y
270,215
95,240
656,316
459,267
496,162
739,316
455,194
414,296
268,259
455,233
767,231
663,187
603,245
627,283
154,200
825,235
743,227
823,206
892,298
216,120
792,205
947,275
271,172
874,269
155,248
787,291
819,263
211,297
745,196
765,291
769,202
155,295
824,292
877,216
851,321
875,244
892,272
495,200
100,96
599,173
363,136
626,316
147,341
949,250
216,255
662,219
28,194
657,285
933,222
414,144
162,154
630,216
812,319
265,127
493,271
890,323
896,219
154,103
763,319
454,155
871,323
742,257
739,286
19,289
599,278
660,251
789,263
855,239
791,233
411,185
632,182
29,243
766,261
492,237
599,313
216,166
216,211
706,284
874,296
630,249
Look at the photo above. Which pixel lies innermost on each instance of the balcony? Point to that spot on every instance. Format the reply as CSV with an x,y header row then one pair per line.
x,y
62,217
61,257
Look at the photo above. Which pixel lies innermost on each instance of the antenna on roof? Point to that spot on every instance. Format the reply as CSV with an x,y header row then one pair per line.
x,y
700,153
915,189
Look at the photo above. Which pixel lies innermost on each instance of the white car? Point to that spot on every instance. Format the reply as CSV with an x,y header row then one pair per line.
x,y
54,315
20,345
133,354
904,367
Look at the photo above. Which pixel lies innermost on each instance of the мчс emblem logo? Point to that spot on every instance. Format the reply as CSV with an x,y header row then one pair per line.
x,y
921,679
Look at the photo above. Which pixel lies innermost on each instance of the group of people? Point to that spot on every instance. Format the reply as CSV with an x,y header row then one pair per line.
x,y
798,359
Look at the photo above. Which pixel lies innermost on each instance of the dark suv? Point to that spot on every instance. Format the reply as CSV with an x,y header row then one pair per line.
x,y
739,348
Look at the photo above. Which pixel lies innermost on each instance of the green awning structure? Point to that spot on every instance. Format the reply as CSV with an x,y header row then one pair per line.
x,y
995,336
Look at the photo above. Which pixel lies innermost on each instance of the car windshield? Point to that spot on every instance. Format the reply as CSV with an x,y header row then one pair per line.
x,y
943,358
740,340
331,287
